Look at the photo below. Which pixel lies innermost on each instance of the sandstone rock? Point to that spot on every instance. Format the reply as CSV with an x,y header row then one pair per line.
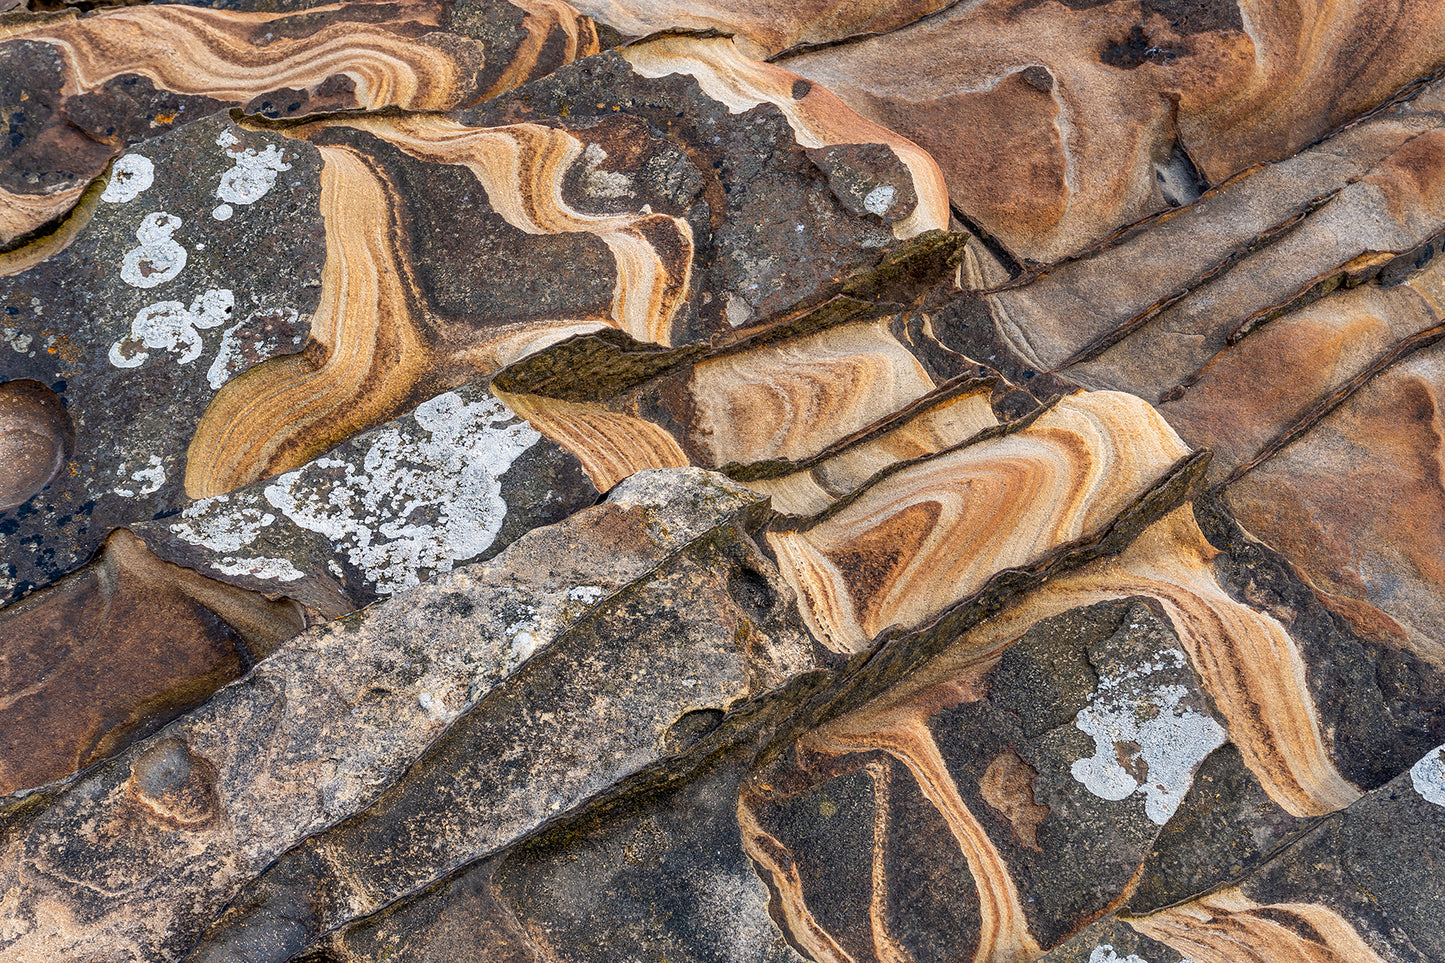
x,y
309,361
153,307
320,729
455,480
841,403
80,90
665,876
1044,822
654,205
1265,320
910,544
36,438
116,650
638,681
763,28
1056,126
1070,760
1336,893
894,482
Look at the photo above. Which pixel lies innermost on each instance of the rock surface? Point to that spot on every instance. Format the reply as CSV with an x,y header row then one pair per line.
x,y
704,481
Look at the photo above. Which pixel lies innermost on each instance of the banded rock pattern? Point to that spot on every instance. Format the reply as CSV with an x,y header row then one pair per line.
x,y
81,89
703,481
1104,114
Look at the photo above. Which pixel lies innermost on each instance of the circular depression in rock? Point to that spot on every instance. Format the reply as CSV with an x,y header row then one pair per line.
x,y
36,439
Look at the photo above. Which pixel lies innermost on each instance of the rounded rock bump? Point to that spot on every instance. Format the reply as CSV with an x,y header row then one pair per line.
x,y
36,440
175,784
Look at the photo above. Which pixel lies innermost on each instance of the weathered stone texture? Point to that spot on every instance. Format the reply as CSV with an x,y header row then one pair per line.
x,y
711,481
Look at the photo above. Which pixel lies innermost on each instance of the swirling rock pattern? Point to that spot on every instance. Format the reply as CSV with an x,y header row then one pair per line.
x,y
1102,114
385,213
707,481
765,29
87,87
805,420
1336,284
921,538
636,220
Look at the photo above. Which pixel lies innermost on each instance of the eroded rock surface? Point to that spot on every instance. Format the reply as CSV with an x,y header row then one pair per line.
x,y
704,481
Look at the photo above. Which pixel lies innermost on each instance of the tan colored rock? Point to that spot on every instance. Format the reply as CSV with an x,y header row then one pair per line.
x,y
628,209
1229,927
1081,307
105,81
1056,126
1357,503
841,403
1255,318
764,29
127,862
918,539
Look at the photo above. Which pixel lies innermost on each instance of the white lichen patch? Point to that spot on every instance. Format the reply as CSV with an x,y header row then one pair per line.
x,y
1428,776
130,176
586,594
236,353
1105,953
222,212
1147,737
278,569
18,340
171,326
158,258
880,199
602,183
252,175
152,476
221,526
423,498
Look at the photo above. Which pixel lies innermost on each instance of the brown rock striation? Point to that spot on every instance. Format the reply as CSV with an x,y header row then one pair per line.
x,y
763,30
885,642
921,537
804,419
1260,318
545,188
639,211
1245,660
114,651
112,78
1228,926
1332,894
1058,125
